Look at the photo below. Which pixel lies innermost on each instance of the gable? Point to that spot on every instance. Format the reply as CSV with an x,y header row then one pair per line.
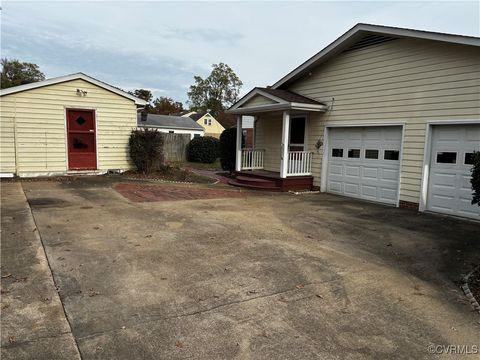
x,y
386,66
258,100
67,79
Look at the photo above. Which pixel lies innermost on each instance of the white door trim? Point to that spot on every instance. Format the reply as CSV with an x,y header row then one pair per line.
x,y
326,133
422,204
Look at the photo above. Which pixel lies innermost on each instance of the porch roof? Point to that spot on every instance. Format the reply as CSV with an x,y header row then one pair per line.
x,y
261,100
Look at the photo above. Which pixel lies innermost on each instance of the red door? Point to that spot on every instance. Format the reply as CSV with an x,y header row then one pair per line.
x,y
82,151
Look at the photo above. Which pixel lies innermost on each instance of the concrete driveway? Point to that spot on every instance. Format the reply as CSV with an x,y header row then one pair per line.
x,y
243,276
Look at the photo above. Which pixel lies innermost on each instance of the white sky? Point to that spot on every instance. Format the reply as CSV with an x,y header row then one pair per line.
x,y
162,45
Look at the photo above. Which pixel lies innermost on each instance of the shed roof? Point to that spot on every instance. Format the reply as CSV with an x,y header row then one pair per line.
x,y
168,122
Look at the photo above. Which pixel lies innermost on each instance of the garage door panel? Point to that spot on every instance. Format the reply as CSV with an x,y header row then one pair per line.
x,y
370,173
335,186
388,194
367,177
369,192
352,171
352,189
336,169
449,187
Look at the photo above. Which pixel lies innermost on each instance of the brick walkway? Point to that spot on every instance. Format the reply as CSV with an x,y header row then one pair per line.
x,y
150,193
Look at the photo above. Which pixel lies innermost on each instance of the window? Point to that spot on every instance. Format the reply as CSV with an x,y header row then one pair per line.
x,y
468,158
80,121
391,155
209,121
337,152
446,157
371,154
171,132
297,131
205,121
354,153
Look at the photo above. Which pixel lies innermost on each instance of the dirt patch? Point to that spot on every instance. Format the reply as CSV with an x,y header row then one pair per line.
x,y
474,283
170,173
150,193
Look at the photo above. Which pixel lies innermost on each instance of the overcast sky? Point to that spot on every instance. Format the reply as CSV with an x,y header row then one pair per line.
x,y
162,45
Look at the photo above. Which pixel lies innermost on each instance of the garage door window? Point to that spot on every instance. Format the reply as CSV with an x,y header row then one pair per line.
x,y
354,153
444,157
371,154
337,153
468,159
391,155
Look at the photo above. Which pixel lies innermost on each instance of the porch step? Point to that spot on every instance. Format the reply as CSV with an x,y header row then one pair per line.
x,y
268,187
249,180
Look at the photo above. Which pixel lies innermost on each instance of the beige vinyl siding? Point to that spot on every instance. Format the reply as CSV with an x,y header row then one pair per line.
x,y
268,136
40,126
409,81
258,100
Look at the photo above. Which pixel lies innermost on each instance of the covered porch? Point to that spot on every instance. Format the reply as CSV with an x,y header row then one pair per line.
x,y
282,154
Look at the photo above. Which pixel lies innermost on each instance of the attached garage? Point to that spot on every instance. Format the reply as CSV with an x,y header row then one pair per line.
x,y
364,162
64,125
450,161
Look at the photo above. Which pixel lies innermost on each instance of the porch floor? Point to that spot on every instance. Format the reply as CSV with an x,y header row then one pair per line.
x,y
271,181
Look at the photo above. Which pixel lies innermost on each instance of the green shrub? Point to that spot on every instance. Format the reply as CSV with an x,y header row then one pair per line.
x,y
228,149
203,149
475,180
146,149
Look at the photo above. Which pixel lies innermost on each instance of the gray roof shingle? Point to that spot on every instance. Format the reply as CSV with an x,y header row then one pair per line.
x,y
168,122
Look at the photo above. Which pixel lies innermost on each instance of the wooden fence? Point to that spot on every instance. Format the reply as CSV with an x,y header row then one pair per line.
x,y
175,146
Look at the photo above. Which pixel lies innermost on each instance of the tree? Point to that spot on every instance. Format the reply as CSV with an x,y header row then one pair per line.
x,y
146,95
475,180
166,106
16,73
217,92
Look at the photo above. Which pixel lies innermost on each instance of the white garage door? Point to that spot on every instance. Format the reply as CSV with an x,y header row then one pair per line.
x,y
364,162
449,188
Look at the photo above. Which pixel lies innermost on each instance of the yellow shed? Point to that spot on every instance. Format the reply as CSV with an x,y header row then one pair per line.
x,y
66,125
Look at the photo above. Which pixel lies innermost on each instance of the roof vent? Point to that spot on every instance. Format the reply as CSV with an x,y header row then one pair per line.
x,y
370,40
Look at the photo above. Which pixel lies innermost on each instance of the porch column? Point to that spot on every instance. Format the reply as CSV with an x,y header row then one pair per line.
x,y
238,162
284,147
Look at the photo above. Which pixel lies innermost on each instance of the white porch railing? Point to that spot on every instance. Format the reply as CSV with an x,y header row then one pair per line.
x,y
252,159
299,163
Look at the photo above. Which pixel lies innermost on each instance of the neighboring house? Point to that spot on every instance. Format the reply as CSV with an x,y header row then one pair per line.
x,y
66,125
383,114
170,124
211,126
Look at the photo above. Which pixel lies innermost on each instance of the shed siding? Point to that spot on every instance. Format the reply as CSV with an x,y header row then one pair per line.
x,y
407,80
40,126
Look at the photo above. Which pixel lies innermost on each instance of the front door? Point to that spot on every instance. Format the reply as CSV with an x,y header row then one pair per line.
x,y
82,150
297,134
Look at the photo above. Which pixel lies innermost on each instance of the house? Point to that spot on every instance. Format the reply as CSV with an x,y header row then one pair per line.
x,y
66,125
170,124
384,114
211,126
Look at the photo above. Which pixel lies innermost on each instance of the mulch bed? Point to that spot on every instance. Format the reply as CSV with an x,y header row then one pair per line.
x,y
474,284
171,174
164,192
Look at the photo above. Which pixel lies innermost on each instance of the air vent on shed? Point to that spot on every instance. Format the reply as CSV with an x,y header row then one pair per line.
x,y
370,40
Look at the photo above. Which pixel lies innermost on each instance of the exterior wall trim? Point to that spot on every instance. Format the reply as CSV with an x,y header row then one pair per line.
x,y
326,133
422,205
